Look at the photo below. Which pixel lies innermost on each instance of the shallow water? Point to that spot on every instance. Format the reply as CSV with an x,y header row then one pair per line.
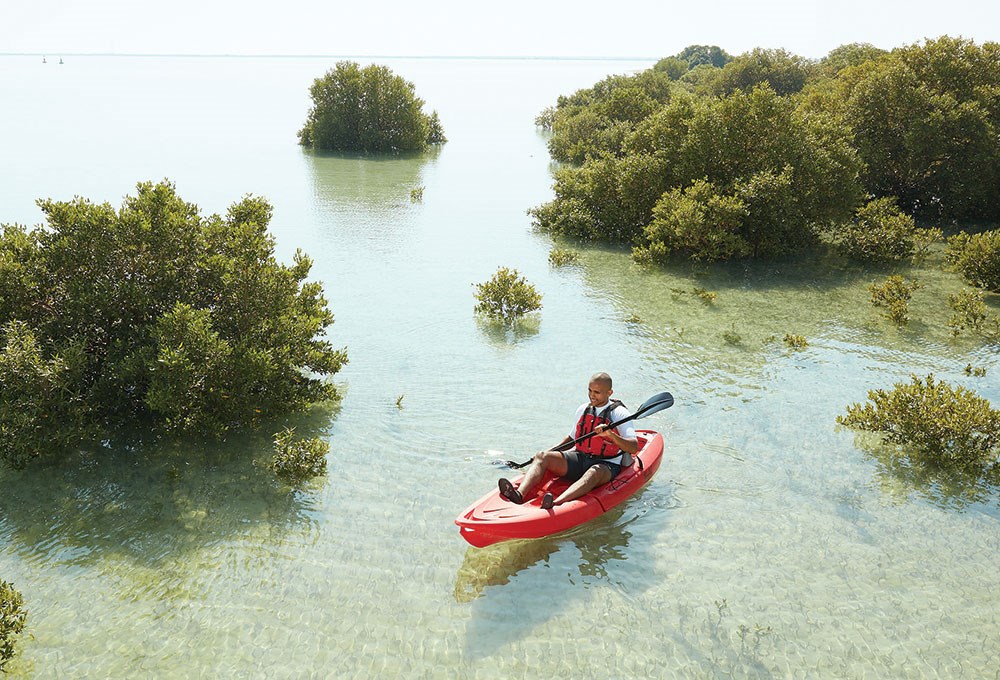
x,y
770,544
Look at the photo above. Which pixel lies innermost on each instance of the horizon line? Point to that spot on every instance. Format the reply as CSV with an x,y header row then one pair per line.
x,y
330,56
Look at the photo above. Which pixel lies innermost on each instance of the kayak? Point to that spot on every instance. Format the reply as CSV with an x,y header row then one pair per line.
x,y
493,518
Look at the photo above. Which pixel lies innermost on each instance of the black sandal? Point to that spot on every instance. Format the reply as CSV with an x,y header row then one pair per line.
x,y
508,491
547,501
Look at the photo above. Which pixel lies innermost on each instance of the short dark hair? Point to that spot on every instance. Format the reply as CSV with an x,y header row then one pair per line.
x,y
601,378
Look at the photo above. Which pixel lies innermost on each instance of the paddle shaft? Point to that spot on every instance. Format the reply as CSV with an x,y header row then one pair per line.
x,y
665,400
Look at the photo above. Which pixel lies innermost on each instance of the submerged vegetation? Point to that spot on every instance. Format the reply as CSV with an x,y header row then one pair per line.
x,y
893,296
157,314
507,296
795,341
368,109
559,257
12,620
296,459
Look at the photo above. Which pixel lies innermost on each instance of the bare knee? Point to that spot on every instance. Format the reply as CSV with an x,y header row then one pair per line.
x,y
597,475
551,460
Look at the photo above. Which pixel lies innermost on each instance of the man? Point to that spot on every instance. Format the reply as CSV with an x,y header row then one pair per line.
x,y
592,462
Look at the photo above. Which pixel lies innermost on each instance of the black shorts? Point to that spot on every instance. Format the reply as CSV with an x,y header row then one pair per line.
x,y
578,462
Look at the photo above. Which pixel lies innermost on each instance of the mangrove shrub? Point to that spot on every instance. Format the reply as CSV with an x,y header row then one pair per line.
x,y
949,424
776,176
12,619
926,122
969,311
367,109
298,459
977,258
893,297
881,232
507,296
157,314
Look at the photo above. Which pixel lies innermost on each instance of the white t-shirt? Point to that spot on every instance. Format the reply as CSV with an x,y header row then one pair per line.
x,y
625,430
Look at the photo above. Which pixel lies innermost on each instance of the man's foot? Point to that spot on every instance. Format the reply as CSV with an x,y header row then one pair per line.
x,y
547,501
508,491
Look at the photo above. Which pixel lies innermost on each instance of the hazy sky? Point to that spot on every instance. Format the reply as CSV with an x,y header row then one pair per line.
x,y
633,28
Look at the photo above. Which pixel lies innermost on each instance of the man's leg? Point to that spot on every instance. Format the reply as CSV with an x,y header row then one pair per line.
x,y
595,476
543,460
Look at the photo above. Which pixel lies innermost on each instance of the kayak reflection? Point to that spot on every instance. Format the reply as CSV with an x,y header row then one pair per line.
x,y
600,541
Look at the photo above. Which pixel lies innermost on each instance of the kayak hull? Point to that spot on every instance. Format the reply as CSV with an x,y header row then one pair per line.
x,y
493,518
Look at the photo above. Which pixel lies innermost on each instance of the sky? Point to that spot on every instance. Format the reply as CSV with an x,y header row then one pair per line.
x,y
508,28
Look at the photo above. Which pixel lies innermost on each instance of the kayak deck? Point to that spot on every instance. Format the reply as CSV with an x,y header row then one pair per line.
x,y
493,518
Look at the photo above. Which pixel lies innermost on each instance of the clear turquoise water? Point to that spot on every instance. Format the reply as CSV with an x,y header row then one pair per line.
x,y
771,543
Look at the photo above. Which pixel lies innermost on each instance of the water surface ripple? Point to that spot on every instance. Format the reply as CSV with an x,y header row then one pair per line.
x,y
770,544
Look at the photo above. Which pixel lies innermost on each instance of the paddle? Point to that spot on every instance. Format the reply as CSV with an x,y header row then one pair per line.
x,y
654,404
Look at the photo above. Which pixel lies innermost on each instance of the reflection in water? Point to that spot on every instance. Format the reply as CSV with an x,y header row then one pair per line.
x,y
147,503
504,335
541,577
901,472
364,201
496,564
377,184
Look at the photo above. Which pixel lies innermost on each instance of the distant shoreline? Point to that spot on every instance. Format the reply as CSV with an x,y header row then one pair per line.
x,y
328,56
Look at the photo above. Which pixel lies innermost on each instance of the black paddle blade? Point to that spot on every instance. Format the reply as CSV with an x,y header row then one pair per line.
x,y
655,403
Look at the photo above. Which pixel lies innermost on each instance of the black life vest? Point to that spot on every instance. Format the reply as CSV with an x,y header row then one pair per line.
x,y
596,446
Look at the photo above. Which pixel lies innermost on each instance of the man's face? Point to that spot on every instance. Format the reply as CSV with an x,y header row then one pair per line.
x,y
599,393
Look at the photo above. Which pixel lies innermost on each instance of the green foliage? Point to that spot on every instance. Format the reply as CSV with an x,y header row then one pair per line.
x,y
893,297
154,313
740,175
12,620
881,232
507,296
783,72
925,121
546,118
674,67
595,121
698,55
970,311
296,460
435,132
694,221
732,337
795,341
367,109
854,54
707,296
951,425
42,404
975,371
559,257
773,178
977,258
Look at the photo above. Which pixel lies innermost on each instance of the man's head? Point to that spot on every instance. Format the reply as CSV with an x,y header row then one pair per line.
x,y
599,390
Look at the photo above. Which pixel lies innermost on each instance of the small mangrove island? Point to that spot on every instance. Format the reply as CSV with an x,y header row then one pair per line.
x,y
370,110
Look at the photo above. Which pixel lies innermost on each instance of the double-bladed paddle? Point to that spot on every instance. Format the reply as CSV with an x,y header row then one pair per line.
x,y
654,404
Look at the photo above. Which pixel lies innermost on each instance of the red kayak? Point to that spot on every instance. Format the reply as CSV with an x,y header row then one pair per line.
x,y
493,518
